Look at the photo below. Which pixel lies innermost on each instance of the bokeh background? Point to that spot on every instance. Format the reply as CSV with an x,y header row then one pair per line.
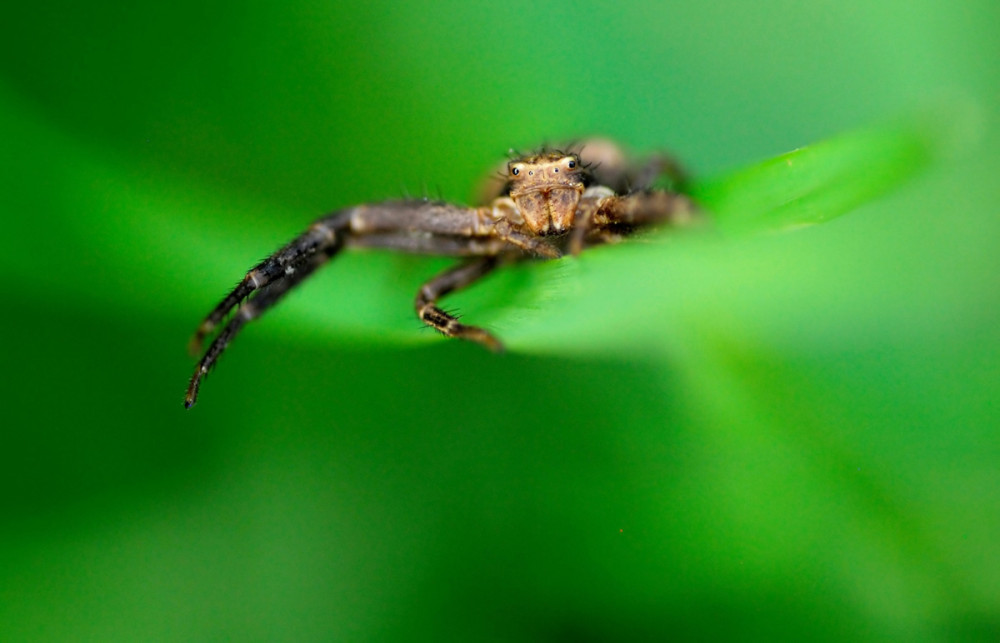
x,y
788,436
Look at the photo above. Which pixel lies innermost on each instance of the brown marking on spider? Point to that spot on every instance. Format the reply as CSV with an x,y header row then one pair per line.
x,y
547,203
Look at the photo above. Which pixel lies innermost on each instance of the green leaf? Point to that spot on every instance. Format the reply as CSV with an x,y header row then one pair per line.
x,y
819,182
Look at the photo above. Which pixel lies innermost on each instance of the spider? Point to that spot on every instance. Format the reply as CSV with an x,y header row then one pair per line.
x,y
538,206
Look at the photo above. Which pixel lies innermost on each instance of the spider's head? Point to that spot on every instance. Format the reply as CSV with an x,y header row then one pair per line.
x,y
546,189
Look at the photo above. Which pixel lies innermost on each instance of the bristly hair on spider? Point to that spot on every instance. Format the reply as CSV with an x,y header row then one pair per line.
x,y
545,204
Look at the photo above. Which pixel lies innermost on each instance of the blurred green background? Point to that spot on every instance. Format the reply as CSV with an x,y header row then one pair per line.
x,y
788,436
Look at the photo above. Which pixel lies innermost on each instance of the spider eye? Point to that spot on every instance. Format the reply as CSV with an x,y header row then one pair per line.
x,y
515,171
571,164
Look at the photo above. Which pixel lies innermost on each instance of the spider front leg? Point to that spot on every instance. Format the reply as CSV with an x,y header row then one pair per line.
x,y
414,226
449,281
397,218
265,298
445,219
325,235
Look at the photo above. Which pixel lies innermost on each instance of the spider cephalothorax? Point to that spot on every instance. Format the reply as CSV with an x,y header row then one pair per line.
x,y
546,188
546,203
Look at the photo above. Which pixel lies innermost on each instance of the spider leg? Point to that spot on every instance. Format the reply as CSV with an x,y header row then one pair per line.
x,y
614,175
393,218
446,282
642,208
648,174
583,221
326,235
610,166
437,218
441,245
415,226
251,309
636,209
536,246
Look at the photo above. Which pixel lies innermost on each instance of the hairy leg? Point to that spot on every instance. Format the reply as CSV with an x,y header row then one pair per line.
x,y
453,279
644,208
265,298
658,171
325,236
610,167
430,245
613,174
435,218
636,209
392,219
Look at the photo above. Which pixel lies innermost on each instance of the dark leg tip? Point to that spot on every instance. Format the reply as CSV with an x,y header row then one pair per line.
x,y
192,393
